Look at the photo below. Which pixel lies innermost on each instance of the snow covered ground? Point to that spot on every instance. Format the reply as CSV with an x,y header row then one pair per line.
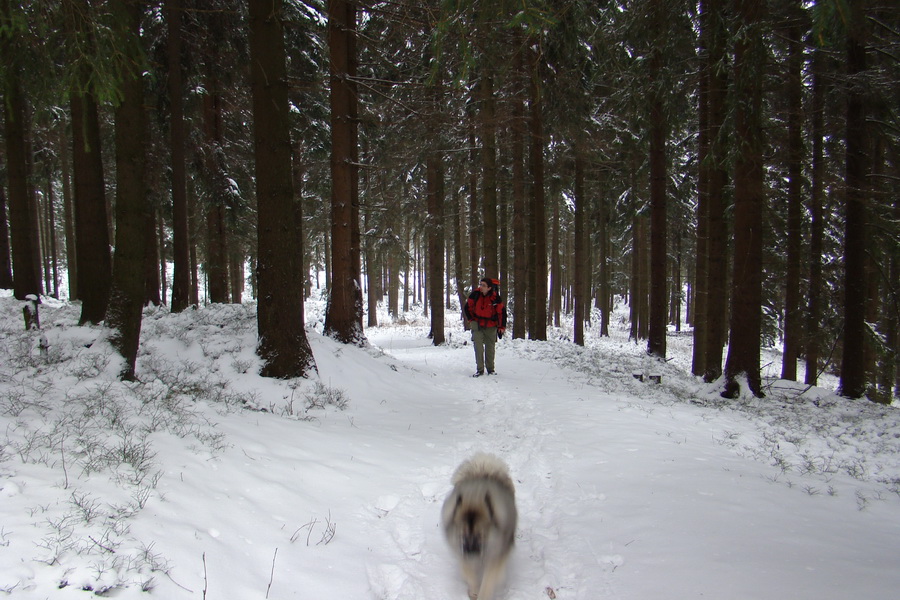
x,y
207,481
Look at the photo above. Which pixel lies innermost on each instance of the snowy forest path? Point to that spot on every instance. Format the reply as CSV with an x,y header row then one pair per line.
x,y
509,415
622,492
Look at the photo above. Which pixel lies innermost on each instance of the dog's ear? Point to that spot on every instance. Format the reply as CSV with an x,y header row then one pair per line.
x,y
457,506
489,505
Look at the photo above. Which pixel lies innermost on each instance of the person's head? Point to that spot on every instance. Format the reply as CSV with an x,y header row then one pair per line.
x,y
485,285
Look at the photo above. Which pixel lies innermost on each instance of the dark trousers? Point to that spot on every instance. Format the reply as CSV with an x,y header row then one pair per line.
x,y
485,341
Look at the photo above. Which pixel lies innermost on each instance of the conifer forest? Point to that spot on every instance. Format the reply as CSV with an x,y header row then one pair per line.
x,y
729,169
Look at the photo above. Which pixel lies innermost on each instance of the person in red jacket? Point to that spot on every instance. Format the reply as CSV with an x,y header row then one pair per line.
x,y
485,315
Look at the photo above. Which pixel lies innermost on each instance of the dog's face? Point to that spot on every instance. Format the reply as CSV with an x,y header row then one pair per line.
x,y
472,523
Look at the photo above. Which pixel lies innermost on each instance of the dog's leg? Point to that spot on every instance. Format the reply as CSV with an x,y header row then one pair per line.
x,y
493,576
471,574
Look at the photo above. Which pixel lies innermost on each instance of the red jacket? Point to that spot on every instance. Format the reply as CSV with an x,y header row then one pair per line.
x,y
488,311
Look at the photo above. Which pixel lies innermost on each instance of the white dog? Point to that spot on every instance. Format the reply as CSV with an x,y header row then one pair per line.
x,y
479,518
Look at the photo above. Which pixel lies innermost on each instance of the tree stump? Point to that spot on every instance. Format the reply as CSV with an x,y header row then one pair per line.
x,y
30,311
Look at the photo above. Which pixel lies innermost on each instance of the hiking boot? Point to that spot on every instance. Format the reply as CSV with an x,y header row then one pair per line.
x,y
491,372
478,374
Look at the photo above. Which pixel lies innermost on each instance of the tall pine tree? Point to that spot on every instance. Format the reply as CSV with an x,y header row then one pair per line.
x,y
283,345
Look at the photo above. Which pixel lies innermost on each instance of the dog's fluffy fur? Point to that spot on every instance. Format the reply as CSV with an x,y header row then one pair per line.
x,y
479,518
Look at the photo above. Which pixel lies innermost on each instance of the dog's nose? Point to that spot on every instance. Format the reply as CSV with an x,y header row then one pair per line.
x,y
471,544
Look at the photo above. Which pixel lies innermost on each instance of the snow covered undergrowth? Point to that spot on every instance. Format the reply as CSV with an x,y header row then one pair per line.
x,y
207,481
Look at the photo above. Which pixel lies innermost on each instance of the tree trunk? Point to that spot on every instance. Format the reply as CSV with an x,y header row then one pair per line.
x,y
343,319
6,276
215,181
422,269
68,216
520,247
476,232
890,323
326,243
52,249
393,284
435,226
538,329
816,226
283,345
746,307
689,297
91,214
853,364
556,283
192,247
644,277
406,253
716,305
676,307
489,175
792,313
503,235
636,293
217,251
91,232
448,260
23,221
236,258
700,294
372,271
656,340
581,250
458,244
604,259
42,203
355,234
132,206
181,276
163,257
152,260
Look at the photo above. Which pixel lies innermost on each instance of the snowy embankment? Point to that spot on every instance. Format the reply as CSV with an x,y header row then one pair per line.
x,y
207,481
